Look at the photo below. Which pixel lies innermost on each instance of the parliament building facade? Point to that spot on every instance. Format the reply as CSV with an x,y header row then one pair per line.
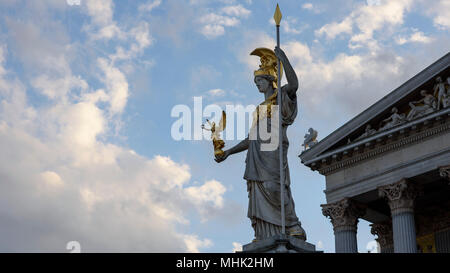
x,y
390,166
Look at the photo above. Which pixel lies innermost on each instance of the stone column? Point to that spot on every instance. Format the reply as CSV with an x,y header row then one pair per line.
x,y
344,217
384,233
400,198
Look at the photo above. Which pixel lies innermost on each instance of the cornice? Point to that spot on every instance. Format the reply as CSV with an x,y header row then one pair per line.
x,y
382,142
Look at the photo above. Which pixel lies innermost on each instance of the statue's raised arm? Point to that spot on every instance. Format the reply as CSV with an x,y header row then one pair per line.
x,y
292,85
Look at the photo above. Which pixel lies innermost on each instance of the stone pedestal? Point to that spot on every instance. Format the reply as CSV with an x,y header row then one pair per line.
x,y
279,244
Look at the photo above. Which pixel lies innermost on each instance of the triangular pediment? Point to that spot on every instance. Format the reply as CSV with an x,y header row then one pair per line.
x,y
380,116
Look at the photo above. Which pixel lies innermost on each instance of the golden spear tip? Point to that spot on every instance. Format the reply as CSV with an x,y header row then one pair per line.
x,y
277,16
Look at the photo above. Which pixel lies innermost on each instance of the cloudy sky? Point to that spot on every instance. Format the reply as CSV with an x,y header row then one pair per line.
x,y
86,93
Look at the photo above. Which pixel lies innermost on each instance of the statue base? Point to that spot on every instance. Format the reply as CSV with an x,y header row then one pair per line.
x,y
279,244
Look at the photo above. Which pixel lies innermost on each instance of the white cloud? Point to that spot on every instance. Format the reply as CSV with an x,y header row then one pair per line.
x,y
334,29
308,6
142,36
236,247
440,12
178,175
415,37
216,92
214,23
108,32
362,22
45,57
52,179
58,87
343,77
44,53
2,59
420,37
77,185
401,40
149,6
101,12
212,31
311,7
193,243
81,123
212,192
138,38
222,98
116,84
216,19
238,11
142,39
113,198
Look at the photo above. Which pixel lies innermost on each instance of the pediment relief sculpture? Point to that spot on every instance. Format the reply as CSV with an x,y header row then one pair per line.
x,y
437,99
393,120
426,105
369,131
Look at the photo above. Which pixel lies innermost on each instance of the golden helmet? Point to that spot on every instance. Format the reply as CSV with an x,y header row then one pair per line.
x,y
268,64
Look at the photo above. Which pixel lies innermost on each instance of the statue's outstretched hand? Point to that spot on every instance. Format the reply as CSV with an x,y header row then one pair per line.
x,y
222,157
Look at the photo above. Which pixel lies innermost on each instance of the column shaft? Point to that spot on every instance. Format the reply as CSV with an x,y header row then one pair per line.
x,y
345,241
400,197
404,230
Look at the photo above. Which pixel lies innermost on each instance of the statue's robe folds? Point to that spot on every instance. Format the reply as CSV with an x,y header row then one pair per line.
x,y
262,173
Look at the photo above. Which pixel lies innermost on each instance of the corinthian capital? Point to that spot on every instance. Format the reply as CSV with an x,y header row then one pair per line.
x,y
384,233
400,196
343,214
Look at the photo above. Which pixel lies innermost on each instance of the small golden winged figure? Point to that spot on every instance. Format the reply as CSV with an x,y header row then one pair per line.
x,y
215,134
